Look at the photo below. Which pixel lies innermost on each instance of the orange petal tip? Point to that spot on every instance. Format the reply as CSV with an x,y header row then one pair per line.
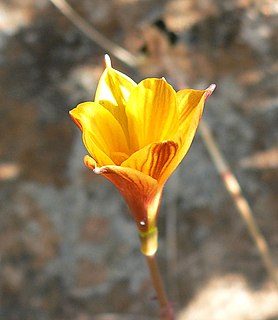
x,y
90,163
101,170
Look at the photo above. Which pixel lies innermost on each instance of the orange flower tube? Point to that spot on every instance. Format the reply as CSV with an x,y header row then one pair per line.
x,y
136,135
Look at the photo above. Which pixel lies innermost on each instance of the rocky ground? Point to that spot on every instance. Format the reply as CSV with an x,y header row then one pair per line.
x,y
68,248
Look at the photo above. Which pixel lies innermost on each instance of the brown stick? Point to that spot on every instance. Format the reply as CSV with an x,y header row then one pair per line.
x,y
116,50
241,203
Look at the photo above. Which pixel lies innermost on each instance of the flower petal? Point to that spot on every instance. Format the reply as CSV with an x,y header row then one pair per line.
x,y
99,156
112,92
191,106
119,114
154,160
141,192
188,100
101,132
115,87
152,113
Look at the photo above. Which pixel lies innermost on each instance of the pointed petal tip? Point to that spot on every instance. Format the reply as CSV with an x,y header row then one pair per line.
x,y
90,163
210,90
100,170
107,61
72,114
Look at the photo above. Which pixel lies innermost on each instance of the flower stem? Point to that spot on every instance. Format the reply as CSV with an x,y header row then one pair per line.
x,y
165,307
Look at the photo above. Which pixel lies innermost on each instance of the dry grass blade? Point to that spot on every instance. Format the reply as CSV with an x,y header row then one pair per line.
x,y
244,209
117,51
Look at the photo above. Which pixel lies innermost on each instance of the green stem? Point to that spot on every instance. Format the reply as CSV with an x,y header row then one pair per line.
x,y
165,307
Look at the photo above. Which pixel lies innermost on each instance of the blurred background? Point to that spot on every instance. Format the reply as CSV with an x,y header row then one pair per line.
x,y
68,247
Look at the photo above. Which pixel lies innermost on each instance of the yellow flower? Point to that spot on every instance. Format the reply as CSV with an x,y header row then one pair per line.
x,y
136,135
